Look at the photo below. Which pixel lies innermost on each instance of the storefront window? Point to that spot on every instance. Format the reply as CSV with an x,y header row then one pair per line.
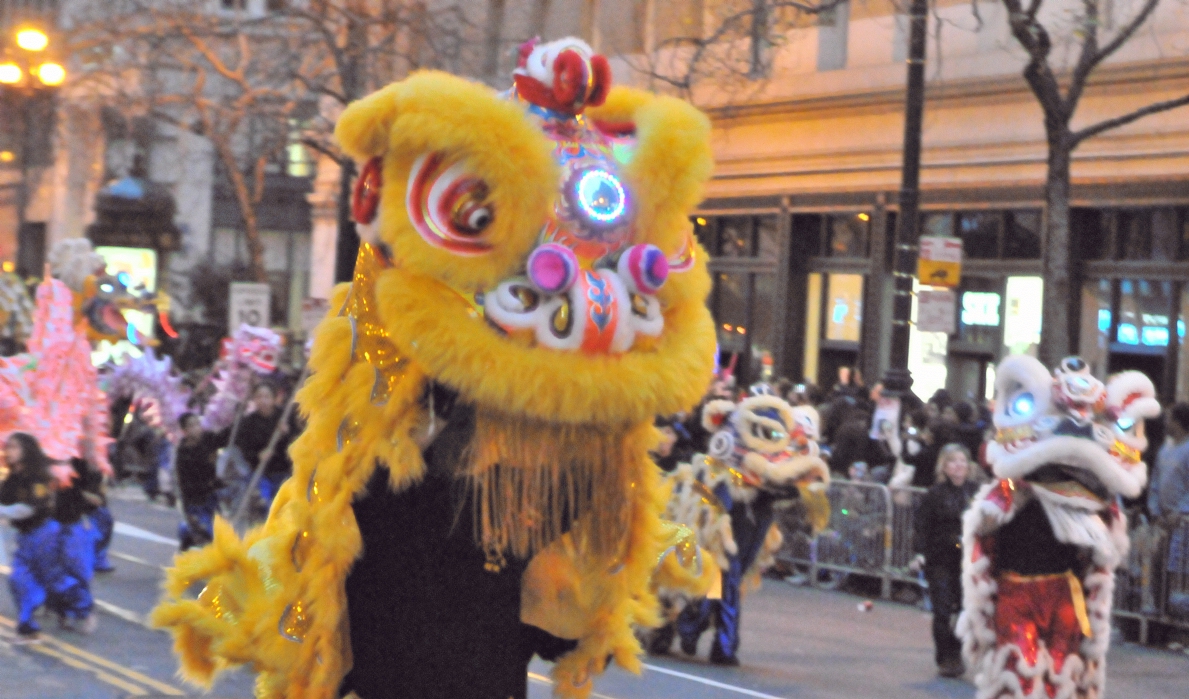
x,y
768,235
1022,317
1021,235
980,309
979,232
762,330
736,236
1183,361
1096,325
730,311
1144,306
844,307
937,224
813,324
848,235
926,355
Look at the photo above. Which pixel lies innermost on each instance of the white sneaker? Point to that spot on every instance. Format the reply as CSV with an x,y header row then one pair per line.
x,y
87,626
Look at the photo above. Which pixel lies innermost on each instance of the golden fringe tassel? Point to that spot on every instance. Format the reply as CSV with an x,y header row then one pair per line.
x,y
532,479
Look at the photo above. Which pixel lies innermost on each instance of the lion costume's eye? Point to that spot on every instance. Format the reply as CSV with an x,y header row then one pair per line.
x,y
448,206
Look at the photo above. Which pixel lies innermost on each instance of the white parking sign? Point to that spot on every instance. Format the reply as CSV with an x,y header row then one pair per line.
x,y
249,305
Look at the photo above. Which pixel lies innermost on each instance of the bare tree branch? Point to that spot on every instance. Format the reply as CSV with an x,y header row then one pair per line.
x,y
1108,124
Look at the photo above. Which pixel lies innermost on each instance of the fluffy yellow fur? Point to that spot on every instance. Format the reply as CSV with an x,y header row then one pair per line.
x,y
275,599
434,112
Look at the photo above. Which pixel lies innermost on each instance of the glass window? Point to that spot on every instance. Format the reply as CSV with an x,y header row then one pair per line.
x,y
1134,235
980,312
704,232
768,236
736,236
1166,238
1096,325
1091,228
1021,235
926,355
813,324
848,235
1143,313
730,311
1021,322
844,307
938,224
762,329
1183,360
979,232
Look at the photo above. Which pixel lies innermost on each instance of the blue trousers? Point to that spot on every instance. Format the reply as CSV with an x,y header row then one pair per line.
x,y
270,484
38,576
197,528
104,523
77,551
723,613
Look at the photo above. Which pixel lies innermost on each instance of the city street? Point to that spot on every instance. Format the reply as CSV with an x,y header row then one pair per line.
x,y
797,644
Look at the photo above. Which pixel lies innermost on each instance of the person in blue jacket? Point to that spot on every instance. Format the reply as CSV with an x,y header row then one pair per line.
x,y
79,535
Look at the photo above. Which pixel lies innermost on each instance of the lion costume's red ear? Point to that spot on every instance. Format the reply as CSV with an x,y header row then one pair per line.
x,y
365,202
601,80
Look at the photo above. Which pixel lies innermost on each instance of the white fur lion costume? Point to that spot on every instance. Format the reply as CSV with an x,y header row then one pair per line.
x,y
1042,543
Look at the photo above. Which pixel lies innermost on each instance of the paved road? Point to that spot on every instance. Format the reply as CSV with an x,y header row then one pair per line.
x,y
798,643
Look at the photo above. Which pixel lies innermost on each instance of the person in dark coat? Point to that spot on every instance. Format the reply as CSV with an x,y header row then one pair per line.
x,y
256,429
938,542
195,466
78,535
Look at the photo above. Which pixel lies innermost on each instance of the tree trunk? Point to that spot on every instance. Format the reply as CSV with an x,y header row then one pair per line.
x,y
493,40
247,209
1056,340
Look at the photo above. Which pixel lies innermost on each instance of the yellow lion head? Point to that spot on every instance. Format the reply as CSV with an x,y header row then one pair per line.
x,y
545,262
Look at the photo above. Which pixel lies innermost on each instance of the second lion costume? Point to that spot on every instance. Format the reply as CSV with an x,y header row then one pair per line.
x,y
1041,544
474,485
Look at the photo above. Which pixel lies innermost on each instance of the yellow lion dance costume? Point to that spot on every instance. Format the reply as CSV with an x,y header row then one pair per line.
x,y
474,485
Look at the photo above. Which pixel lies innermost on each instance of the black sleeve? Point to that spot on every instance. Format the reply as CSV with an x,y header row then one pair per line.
x,y
923,522
544,644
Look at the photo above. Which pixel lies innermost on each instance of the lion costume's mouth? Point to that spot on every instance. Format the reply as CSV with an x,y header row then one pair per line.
x,y
1070,481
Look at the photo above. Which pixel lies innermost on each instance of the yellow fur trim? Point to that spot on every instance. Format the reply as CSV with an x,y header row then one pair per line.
x,y
435,112
432,325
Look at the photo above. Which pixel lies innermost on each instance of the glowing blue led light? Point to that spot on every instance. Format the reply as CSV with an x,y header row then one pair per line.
x,y
601,196
1125,423
124,278
131,333
1023,404
106,288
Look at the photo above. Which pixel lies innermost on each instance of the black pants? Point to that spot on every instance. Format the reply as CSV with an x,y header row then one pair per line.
x,y
945,591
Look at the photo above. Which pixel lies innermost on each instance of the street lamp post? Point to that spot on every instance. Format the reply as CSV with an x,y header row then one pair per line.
x,y
898,379
26,68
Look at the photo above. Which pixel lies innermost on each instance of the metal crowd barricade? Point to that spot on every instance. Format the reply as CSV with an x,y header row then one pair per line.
x,y
1153,585
870,533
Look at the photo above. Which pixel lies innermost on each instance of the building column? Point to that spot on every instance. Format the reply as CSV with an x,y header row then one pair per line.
x,y
324,227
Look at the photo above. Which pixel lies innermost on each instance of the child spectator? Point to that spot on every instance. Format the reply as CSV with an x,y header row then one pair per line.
x,y
195,464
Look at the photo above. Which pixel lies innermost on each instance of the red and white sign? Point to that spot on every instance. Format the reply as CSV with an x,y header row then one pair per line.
x,y
936,311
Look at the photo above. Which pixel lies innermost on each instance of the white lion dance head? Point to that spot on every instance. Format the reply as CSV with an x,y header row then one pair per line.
x,y
1069,425
765,441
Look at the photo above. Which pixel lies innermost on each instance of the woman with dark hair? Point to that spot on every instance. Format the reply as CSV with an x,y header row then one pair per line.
x,y
73,506
27,500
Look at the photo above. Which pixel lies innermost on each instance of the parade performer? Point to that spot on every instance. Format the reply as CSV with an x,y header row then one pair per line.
x,y
197,482
1042,543
474,484
762,451
26,499
78,539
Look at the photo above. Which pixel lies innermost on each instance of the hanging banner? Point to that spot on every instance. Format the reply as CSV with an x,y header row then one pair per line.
x,y
936,311
940,261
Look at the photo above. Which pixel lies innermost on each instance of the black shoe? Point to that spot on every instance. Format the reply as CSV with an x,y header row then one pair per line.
x,y
951,668
720,658
689,646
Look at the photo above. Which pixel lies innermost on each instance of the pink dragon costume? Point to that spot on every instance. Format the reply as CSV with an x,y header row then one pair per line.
x,y
1041,544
